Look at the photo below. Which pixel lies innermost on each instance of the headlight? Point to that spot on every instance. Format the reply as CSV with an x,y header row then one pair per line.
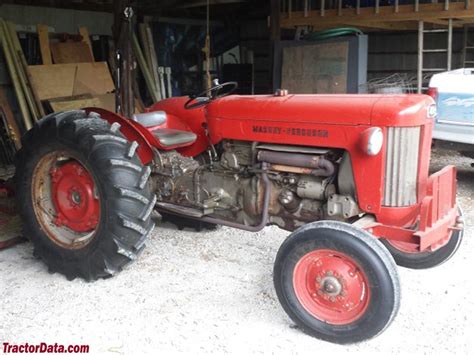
x,y
372,140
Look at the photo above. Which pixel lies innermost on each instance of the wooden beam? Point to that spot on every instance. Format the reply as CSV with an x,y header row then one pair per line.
x,y
399,26
465,21
386,14
85,38
43,36
444,23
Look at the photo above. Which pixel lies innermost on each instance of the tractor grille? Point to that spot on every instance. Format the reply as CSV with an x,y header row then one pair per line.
x,y
401,166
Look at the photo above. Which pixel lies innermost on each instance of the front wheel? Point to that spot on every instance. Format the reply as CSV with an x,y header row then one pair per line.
x,y
337,282
83,195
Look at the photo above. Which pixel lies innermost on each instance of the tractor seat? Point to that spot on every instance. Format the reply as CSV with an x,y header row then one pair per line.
x,y
150,119
173,138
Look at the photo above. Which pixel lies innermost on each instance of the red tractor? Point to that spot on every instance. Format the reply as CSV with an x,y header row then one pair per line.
x,y
346,174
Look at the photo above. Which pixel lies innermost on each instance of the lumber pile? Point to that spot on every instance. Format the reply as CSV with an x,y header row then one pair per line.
x,y
67,73
157,78
69,78
30,105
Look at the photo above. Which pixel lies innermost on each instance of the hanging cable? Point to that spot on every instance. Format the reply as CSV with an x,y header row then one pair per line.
x,y
207,48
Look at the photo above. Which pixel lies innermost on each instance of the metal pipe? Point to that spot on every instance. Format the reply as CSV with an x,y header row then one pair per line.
x,y
321,166
420,57
450,43
161,75
168,81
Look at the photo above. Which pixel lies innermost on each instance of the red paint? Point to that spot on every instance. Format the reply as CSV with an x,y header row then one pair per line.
x,y
7,199
437,216
72,191
335,121
132,131
351,297
187,120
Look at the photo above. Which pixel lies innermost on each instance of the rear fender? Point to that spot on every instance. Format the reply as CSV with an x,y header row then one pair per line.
x,y
185,120
133,131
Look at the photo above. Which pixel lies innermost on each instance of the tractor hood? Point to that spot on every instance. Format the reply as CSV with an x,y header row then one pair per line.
x,y
328,109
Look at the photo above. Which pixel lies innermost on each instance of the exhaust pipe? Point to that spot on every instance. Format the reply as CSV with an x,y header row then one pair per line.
x,y
319,166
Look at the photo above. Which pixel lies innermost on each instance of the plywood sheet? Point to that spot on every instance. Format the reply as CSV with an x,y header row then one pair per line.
x,y
106,101
71,52
85,38
54,80
43,36
61,80
315,69
93,78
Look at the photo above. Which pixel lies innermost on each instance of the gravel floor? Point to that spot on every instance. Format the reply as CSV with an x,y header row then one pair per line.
x,y
212,292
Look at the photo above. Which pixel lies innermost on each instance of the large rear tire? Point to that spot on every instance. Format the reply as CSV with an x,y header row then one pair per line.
x,y
337,282
83,195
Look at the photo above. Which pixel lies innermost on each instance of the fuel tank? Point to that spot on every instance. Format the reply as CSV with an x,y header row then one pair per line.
x,y
327,109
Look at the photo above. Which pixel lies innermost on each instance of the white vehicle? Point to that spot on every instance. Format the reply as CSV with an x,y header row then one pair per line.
x,y
453,92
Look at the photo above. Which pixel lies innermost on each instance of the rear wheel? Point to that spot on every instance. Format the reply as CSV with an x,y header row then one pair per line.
x,y
83,195
337,282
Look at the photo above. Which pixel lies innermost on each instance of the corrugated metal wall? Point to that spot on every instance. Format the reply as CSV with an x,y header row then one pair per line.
x,y
398,52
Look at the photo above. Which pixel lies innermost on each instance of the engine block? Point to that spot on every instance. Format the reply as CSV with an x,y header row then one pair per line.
x,y
230,187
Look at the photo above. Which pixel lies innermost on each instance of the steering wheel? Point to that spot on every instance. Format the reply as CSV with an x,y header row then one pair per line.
x,y
211,94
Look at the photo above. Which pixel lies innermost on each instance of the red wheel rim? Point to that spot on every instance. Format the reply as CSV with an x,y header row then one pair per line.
x,y
65,200
74,198
331,286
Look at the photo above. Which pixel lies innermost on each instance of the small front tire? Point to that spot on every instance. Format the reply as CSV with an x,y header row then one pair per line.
x,y
337,282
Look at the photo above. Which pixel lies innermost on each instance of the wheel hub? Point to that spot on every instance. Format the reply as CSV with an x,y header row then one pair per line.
x,y
73,195
331,286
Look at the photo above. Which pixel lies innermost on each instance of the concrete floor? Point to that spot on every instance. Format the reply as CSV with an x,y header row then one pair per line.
x,y
212,293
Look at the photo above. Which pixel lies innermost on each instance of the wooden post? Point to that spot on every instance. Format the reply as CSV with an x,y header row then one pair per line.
x,y
33,100
145,70
85,38
43,36
15,79
123,31
275,34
